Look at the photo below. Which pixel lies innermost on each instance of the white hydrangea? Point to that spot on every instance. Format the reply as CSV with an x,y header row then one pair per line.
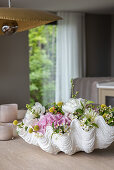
x,y
72,105
37,108
29,115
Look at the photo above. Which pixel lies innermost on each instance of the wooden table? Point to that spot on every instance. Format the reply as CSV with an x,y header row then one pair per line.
x,y
18,155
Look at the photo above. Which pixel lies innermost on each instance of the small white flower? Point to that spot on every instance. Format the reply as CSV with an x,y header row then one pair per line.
x,y
90,113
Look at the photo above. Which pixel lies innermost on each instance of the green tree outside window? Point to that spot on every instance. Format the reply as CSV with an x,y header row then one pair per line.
x,y
42,63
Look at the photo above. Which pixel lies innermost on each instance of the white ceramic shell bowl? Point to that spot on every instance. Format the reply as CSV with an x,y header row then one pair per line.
x,y
74,141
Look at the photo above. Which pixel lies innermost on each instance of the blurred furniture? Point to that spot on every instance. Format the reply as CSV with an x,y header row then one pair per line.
x,y
87,87
106,93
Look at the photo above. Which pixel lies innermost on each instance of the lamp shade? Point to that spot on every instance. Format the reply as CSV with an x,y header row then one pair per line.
x,y
24,19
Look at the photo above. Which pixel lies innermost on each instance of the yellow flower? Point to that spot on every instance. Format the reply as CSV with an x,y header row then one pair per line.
x,y
104,115
15,122
51,109
59,104
103,105
36,127
30,130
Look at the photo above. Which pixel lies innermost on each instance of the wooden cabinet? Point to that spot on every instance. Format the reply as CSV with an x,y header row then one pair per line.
x,y
106,90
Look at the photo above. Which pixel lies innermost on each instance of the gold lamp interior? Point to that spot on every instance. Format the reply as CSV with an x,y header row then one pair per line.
x,y
18,19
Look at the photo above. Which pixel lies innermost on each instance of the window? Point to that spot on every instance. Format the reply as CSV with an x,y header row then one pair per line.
x,y
42,61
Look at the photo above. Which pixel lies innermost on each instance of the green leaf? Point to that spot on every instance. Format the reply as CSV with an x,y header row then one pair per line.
x,y
26,128
94,124
20,126
79,115
53,125
112,109
89,119
37,115
89,102
22,123
111,124
87,122
79,111
110,120
62,128
57,130
106,111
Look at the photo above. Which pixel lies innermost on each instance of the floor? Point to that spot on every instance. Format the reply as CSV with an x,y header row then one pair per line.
x,y
18,155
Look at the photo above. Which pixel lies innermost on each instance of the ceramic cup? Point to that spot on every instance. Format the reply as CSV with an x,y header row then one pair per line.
x,y
8,112
21,114
6,131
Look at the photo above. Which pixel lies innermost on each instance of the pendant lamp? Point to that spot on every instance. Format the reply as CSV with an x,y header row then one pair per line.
x,y
19,19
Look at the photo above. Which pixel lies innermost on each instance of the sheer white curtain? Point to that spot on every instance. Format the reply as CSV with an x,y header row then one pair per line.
x,y
70,52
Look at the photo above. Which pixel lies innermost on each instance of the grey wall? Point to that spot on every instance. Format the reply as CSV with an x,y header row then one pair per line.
x,y
14,69
98,45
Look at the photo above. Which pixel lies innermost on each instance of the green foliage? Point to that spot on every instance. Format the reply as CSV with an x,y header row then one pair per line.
x,y
20,125
72,90
42,58
26,128
94,124
108,114
79,113
89,102
29,107
55,108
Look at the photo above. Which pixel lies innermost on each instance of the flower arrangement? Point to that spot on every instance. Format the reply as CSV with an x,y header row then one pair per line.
x,y
81,110
107,113
69,127
36,120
